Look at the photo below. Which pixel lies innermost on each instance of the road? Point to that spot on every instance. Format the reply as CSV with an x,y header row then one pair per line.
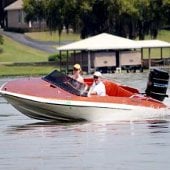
x,y
49,47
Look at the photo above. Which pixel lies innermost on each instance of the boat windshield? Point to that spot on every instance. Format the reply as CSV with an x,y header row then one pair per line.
x,y
66,83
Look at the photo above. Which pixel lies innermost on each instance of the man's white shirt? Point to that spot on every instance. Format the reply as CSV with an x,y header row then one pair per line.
x,y
99,88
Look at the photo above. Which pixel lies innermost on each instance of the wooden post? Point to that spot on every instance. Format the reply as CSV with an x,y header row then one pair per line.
x,y
60,60
74,56
89,62
67,64
149,50
161,53
81,61
141,53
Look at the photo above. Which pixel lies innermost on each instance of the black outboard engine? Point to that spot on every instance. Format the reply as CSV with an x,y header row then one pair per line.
x,y
157,84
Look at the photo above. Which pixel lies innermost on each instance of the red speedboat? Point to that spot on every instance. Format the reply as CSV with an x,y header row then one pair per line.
x,y
59,97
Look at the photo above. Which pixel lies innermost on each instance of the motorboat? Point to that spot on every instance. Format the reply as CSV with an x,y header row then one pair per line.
x,y
58,97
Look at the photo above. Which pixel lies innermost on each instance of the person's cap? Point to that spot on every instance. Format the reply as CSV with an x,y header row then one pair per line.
x,y
77,66
97,74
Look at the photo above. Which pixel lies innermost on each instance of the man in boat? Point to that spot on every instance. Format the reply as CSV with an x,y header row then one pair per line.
x,y
77,73
98,87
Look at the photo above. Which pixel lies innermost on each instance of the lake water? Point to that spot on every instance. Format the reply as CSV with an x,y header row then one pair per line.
x,y
27,144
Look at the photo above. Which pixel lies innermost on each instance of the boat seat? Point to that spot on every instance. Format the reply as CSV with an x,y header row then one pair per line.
x,y
113,89
88,81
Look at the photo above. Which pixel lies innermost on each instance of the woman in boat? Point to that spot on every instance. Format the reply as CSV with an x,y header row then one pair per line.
x,y
77,73
98,87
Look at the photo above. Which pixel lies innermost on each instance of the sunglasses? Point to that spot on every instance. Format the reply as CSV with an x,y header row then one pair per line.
x,y
95,77
75,69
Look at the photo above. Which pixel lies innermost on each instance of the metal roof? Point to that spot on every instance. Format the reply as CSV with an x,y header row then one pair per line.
x,y
15,6
153,43
106,41
102,41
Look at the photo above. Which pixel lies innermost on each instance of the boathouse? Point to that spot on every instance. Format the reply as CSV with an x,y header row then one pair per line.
x,y
110,51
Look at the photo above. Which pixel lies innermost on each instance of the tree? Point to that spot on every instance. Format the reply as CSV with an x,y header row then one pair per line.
x,y
34,10
55,15
127,18
111,16
143,18
84,17
70,14
166,12
157,18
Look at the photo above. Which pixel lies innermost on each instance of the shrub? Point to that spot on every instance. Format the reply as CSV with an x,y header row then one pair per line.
x,y
1,42
1,39
17,30
56,57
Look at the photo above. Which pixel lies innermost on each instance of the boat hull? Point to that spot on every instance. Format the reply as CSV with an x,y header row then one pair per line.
x,y
71,111
56,100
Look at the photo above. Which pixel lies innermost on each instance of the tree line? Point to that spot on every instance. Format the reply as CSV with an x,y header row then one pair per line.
x,y
127,18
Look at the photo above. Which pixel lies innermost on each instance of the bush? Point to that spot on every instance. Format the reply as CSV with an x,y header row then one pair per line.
x,y
1,50
1,42
56,57
1,39
17,30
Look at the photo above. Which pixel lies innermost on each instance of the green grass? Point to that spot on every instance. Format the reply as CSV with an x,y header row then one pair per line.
x,y
25,70
47,36
16,52
164,35
156,53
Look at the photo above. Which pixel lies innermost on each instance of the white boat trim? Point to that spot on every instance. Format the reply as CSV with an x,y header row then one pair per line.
x,y
71,102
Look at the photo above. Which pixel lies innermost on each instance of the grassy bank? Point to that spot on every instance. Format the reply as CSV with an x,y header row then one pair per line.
x,y
47,36
163,35
25,70
16,52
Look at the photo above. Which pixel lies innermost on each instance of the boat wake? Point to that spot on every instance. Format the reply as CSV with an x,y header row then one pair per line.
x,y
143,114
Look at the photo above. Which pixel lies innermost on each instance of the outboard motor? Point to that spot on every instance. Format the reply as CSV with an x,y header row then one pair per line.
x,y
157,84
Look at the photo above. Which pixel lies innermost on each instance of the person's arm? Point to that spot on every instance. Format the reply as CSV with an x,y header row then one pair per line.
x,y
93,93
92,90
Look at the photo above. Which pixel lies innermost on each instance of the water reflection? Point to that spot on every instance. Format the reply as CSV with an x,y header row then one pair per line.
x,y
52,129
114,145
29,144
159,126
48,128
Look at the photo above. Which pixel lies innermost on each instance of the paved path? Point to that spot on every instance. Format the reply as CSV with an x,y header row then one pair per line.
x,y
49,47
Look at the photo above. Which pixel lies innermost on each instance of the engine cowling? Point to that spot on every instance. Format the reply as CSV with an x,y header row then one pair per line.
x,y
157,84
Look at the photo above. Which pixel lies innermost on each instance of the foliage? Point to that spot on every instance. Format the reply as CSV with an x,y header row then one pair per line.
x,y
34,10
1,40
128,18
56,57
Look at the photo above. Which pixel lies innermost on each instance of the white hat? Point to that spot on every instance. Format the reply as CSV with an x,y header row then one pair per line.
x,y
98,74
